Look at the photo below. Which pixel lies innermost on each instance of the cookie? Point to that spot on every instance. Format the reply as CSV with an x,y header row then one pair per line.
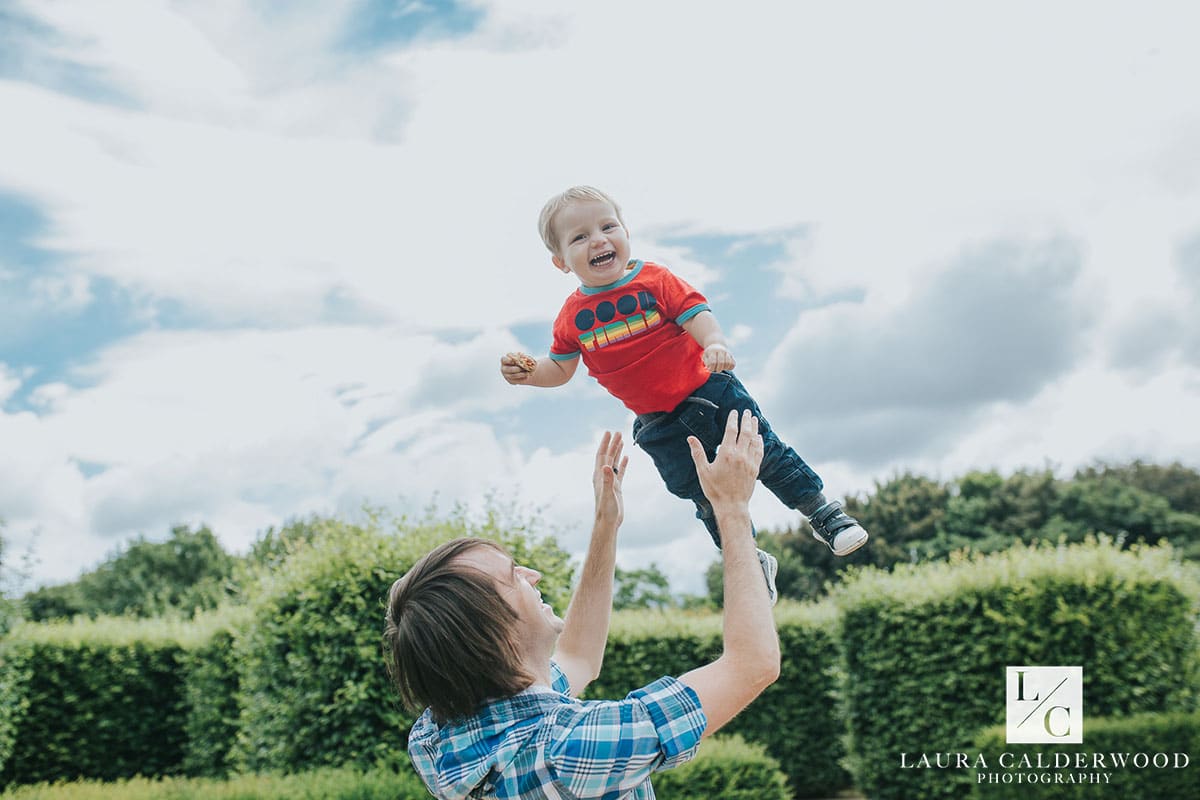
x,y
525,362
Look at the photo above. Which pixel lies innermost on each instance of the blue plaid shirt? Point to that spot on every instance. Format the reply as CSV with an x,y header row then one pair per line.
x,y
541,743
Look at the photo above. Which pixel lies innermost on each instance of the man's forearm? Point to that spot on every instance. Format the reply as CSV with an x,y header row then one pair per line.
x,y
749,628
585,628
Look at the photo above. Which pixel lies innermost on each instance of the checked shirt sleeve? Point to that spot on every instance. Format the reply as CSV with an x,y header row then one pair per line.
x,y
605,749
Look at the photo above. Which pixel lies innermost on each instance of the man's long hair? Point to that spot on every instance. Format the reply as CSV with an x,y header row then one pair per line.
x,y
449,636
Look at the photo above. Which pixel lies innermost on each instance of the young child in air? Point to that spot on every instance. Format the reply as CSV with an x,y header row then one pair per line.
x,y
650,339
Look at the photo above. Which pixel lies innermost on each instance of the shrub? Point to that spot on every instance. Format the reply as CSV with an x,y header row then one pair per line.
x,y
727,768
313,689
1141,733
210,675
323,784
926,648
797,719
91,699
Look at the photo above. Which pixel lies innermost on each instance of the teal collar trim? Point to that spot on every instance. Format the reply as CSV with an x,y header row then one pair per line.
x,y
626,278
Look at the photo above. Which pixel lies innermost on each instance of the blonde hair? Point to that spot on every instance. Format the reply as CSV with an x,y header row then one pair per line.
x,y
560,201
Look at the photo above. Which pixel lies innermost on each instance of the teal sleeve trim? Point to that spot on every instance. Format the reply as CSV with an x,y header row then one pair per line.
x,y
691,312
564,356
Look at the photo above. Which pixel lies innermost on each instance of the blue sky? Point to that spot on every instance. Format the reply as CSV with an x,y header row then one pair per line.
x,y
259,260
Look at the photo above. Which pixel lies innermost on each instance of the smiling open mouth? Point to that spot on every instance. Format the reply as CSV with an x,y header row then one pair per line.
x,y
603,260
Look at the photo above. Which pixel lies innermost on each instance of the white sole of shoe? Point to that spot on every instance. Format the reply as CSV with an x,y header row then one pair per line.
x,y
853,545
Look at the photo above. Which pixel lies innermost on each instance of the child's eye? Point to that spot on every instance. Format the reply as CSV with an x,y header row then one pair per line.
x,y
578,237
608,226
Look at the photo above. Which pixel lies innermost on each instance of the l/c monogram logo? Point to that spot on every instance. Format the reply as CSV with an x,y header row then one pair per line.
x,y
1044,704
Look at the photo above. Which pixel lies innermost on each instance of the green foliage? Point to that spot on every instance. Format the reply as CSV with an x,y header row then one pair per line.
x,y
313,687
641,588
93,700
908,507
322,784
1177,484
727,768
915,519
801,575
794,718
8,608
211,695
1141,733
189,571
926,647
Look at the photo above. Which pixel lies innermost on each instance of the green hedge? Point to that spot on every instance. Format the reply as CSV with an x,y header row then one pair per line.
x,y
211,683
296,680
97,699
1148,734
313,688
797,719
926,648
727,768
324,784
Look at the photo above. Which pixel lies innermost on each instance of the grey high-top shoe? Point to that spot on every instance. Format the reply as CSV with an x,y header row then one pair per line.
x,y
836,528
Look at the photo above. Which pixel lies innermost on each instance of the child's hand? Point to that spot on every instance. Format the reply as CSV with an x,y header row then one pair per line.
x,y
514,367
718,358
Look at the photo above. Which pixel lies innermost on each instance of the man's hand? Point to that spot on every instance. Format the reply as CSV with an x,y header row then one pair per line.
x,y
718,358
606,479
731,477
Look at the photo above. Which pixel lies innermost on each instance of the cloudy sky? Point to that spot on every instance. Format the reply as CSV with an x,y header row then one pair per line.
x,y
259,261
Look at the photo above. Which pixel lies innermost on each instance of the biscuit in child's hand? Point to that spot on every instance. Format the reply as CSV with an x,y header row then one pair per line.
x,y
525,362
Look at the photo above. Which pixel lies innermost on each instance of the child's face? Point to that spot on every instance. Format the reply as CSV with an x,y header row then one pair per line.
x,y
592,242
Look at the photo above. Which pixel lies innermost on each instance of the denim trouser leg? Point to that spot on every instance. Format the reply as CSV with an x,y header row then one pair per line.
x,y
664,436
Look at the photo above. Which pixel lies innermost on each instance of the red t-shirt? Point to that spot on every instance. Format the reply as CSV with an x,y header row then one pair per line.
x,y
629,335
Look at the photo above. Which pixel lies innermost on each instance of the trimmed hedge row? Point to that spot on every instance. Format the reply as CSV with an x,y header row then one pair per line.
x,y
1139,737
727,768
927,648
325,784
212,698
97,699
797,719
297,680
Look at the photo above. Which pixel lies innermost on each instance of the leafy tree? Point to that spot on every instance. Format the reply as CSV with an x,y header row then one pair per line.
x,y
189,571
805,565
986,512
908,508
642,588
7,607
913,518
1177,484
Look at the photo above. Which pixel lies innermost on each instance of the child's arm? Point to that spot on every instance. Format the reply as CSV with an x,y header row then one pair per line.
x,y
704,329
548,372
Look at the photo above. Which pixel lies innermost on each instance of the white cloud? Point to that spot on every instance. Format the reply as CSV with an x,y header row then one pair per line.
x,y
267,182
10,381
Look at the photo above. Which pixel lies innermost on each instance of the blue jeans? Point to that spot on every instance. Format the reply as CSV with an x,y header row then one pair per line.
x,y
663,434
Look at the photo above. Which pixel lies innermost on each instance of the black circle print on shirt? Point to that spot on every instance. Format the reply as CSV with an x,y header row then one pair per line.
x,y
605,311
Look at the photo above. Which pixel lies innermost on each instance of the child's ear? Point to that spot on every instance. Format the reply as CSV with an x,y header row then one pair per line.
x,y
562,265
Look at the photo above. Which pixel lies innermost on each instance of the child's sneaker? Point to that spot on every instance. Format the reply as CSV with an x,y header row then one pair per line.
x,y
769,567
836,528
